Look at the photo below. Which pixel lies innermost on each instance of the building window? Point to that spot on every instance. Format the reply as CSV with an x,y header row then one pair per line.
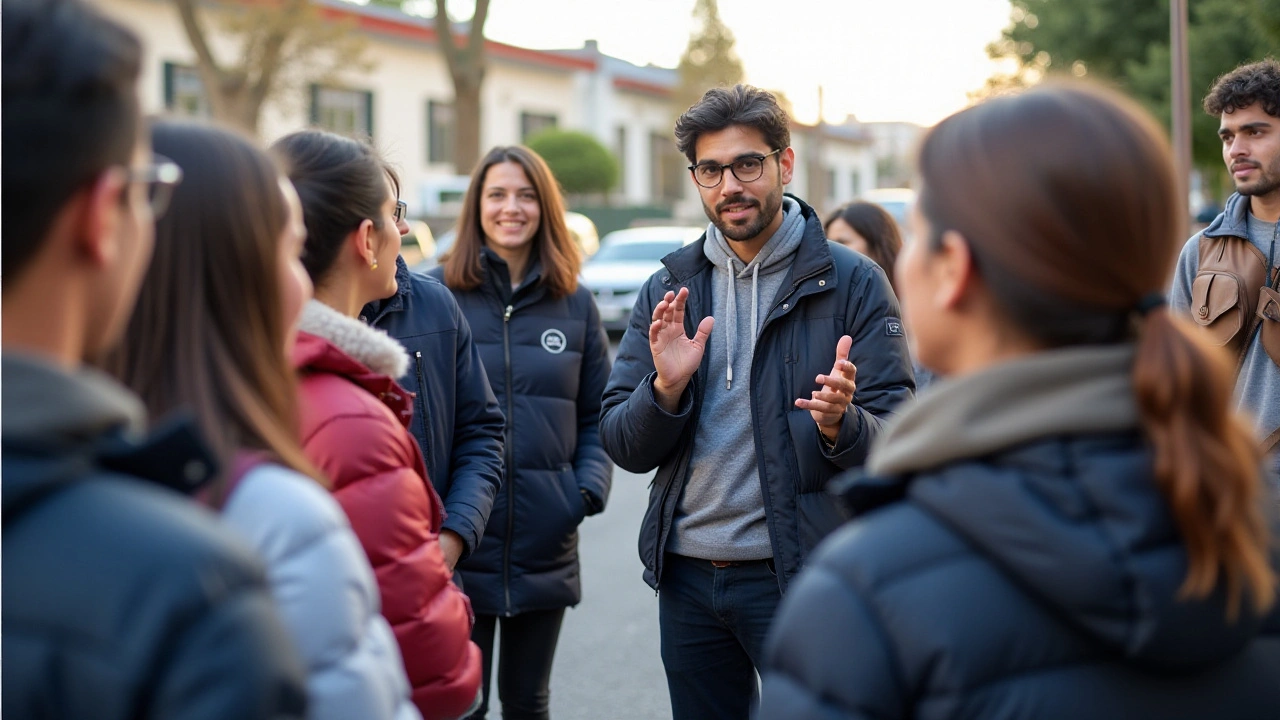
x,y
440,132
347,112
832,190
184,91
857,185
667,171
533,123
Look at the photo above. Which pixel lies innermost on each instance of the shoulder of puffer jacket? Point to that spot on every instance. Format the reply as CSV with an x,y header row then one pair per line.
x,y
281,506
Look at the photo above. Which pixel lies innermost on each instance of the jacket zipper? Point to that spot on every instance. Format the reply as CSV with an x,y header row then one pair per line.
x,y
422,409
509,453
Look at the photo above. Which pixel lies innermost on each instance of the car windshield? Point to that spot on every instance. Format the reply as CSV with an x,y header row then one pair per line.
x,y
636,251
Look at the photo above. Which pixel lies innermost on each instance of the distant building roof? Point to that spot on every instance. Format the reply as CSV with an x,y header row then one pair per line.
x,y
393,22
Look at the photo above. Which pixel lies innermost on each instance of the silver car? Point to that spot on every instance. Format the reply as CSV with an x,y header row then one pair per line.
x,y
625,260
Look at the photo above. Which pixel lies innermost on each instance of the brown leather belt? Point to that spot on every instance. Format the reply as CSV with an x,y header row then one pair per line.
x,y
737,563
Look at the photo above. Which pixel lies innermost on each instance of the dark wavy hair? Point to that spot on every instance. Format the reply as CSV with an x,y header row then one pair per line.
x,y
552,243
1248,84
877,227
722,107
1067,246
208,334
341,183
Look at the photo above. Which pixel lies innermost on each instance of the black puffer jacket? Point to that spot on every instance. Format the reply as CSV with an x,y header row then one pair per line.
x,y
829,291
123,599
1030,577
456,419
547,360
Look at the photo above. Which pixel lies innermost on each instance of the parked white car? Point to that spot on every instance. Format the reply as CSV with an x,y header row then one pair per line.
x,y
625,260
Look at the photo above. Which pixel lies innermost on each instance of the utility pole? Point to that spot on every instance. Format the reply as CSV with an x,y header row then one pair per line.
x,y
818,190
1180,107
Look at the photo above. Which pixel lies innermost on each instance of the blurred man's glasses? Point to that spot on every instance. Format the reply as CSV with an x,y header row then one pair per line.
x,y
401,211
160,177
747,168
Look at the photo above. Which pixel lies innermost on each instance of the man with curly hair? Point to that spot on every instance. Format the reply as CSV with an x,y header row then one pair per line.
x,y
1228,280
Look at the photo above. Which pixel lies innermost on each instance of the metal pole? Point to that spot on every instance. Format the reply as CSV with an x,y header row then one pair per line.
x,y
1180,107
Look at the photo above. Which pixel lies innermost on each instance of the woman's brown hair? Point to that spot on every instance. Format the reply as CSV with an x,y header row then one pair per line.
x,y
552,243
208,334
877,227
1069,201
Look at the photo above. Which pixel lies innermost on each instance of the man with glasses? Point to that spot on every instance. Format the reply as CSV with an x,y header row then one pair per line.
x,y
122,598
760,362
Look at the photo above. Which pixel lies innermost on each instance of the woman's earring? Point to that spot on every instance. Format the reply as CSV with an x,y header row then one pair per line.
x,y
374,265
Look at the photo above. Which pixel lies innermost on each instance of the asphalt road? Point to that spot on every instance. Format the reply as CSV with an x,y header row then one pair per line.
x,y
608,665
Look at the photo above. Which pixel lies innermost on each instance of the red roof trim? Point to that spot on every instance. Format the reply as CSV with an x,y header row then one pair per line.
x,y
640,86
427,34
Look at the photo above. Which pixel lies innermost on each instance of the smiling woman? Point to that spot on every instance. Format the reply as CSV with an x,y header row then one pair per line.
x,y
514,272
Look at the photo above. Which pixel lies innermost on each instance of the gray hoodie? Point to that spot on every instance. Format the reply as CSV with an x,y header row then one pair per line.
x,y
1258,387
721,512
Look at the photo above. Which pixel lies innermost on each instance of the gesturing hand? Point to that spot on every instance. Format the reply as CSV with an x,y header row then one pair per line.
x,y
675,355
828,403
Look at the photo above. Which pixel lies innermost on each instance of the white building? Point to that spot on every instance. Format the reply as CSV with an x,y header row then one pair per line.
x,y
404,102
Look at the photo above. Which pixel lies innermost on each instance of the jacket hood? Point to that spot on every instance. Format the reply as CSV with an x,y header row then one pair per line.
x,y
1233,221
71,423
1039,464
43,401
370,347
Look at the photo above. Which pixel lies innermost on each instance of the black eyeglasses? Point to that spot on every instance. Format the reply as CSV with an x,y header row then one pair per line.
x,y
747,168
160,177
401,211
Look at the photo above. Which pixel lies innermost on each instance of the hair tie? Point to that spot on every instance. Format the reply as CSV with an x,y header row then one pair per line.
x,y
1150,302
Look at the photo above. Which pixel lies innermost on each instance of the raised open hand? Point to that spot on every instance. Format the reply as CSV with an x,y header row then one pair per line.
x,y
676,356
828,403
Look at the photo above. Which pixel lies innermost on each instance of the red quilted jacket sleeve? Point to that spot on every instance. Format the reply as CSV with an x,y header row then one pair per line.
x,y
377,475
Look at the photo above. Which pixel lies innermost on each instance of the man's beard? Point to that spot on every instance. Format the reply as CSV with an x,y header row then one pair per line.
x,y
749,231
1267,182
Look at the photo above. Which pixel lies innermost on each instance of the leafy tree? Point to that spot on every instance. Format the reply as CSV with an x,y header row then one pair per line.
x,y
580,163
282,46
467,65
1126,44
709,60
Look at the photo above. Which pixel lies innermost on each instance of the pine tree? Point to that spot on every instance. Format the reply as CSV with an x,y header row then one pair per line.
x,y
709,60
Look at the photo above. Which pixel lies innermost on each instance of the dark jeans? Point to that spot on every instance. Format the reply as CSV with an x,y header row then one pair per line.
x,y
524,662
713,626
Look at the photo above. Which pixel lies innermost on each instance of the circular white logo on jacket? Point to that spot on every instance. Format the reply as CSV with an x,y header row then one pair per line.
x,y
553,341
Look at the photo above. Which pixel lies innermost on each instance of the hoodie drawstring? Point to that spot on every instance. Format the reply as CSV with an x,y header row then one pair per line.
x,y
732,333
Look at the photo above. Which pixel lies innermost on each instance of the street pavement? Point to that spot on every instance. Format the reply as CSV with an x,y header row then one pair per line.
x,y
608,665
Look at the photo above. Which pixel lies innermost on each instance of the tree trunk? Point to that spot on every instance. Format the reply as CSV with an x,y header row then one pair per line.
x,y
467,114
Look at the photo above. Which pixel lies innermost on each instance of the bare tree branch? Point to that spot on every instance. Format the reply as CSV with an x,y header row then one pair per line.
x,y
196,34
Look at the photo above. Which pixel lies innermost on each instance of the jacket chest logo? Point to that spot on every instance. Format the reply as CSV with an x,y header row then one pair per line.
x,y
553,341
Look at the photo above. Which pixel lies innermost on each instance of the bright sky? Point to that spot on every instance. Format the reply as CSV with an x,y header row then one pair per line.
x,y
910,60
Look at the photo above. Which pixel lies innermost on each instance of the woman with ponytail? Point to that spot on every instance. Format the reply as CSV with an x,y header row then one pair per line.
x,y
1072,524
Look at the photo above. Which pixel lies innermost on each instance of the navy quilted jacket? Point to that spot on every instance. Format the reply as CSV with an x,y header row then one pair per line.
x,y
1038,582
547,360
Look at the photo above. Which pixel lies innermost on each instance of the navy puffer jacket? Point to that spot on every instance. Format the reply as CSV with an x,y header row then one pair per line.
x,y
456,419
829,291
547,360
1037,580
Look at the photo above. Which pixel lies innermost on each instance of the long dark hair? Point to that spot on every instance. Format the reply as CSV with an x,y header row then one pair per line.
x,y
341,183
552,243
1069,201
877,227
208,333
